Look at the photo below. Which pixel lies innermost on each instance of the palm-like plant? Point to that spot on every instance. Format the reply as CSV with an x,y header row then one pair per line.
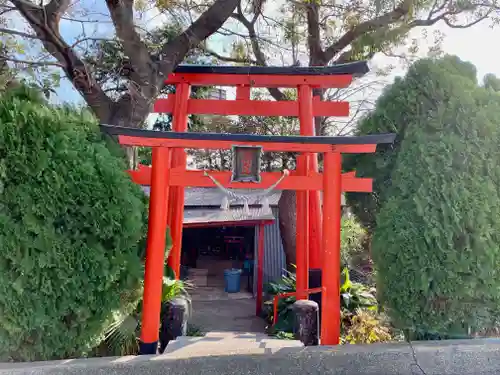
x,y
121,337
354,295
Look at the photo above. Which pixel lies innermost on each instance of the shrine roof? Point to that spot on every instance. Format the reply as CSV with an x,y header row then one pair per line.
x,y
354,68
318,140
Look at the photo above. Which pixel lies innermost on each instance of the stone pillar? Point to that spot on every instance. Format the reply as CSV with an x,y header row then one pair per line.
x,y
306,322
174,320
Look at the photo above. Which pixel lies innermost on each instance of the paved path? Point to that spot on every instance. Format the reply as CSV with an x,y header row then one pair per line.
x,y
215,310
225,343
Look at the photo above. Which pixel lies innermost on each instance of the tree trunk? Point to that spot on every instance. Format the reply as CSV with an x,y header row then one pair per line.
x,y
288,225
126,115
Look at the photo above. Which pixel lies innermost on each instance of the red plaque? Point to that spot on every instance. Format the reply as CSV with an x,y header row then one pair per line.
x,y
246,164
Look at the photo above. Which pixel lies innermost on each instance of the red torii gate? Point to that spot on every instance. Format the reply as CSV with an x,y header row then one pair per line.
x,y
168,175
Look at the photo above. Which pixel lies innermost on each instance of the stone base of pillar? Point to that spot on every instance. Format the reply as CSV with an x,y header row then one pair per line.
x,y
306,322
174,319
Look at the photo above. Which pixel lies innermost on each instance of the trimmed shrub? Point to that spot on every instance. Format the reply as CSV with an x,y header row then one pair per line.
x,y
395,112
70,224
436,244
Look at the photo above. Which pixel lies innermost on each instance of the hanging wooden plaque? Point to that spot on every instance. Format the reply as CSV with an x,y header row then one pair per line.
x,y
246,164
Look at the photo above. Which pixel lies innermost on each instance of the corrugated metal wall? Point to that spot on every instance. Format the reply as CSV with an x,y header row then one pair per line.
x,y
274,255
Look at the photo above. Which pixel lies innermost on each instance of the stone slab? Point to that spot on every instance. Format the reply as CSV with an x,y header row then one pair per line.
x,y
454,357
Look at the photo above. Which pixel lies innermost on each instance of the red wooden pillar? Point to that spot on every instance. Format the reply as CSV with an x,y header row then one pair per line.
x,y
314,220
155,250
302,226
330,302
243,93
307,128
260,270
176,198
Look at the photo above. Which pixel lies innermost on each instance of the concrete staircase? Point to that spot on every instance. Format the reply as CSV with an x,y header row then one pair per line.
x,y
226,343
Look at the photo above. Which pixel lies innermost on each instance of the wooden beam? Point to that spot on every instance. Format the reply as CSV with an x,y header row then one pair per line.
x,y
261,80
180,177
292,182
243,223
246,107
355,149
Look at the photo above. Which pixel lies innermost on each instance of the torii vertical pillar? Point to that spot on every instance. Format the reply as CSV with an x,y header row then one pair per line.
x,y
330,299
307,128
155,251
314,205
260,270
180,117
302,197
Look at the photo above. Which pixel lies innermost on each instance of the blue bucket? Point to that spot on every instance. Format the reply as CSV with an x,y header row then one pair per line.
x,y
232,280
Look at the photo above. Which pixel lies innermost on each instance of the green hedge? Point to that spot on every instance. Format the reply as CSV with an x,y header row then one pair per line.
x,y
70,224
436,243
395,111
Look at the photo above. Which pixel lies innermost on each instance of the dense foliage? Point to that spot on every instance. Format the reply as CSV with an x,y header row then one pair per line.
x,y
394,112
437,234
353,296
70,224
352,236
365,327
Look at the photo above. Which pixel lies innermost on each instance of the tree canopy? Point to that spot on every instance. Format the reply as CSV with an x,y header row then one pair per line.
x,y
146,65
258,32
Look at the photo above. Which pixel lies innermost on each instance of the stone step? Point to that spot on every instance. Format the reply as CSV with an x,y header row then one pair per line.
x,y
227,343
198,272
198,281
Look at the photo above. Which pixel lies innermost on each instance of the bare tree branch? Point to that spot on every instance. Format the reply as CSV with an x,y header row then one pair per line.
x,y
32,63
91,39
259,55
444,17
122,15
229,58
254,39
45,22
367,26
6,9
18,33
316,53
56,8
207,24
467,25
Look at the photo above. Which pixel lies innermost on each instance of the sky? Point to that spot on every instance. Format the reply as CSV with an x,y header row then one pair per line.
x,y
471,44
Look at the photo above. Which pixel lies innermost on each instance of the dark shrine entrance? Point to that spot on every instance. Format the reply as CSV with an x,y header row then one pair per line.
x,y
208,251
317,221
